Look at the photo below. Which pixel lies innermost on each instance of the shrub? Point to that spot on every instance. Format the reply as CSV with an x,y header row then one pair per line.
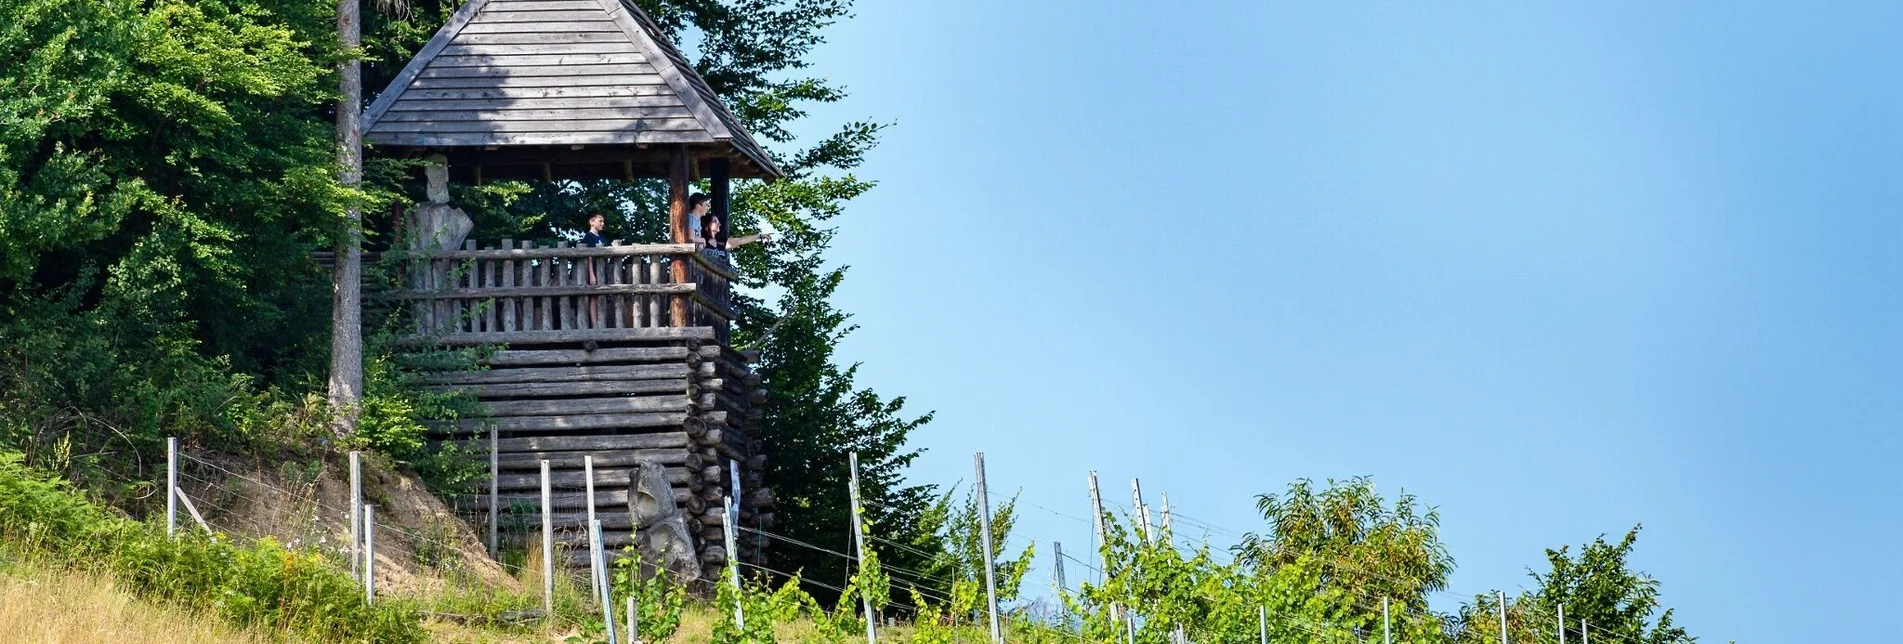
x,y
262,585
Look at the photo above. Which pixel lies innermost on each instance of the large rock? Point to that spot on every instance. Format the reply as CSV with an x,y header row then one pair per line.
x,y
660,529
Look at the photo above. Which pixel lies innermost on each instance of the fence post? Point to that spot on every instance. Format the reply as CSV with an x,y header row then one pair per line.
x,y
984,537
548,550
1584,638
356,514
1096,524
733,565
1503,615
495,510
1130,627
1562,624
370,555
1262,623
1057,554
171,486
588,473
859,542
1387,632
598,563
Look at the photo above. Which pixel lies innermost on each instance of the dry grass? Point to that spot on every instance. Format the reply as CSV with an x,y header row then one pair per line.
x,y
39,605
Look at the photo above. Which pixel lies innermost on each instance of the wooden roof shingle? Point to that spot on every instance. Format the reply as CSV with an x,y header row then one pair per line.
x,y
538,73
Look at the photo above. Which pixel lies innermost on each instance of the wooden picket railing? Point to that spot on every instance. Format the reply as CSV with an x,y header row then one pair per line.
x,y
522,292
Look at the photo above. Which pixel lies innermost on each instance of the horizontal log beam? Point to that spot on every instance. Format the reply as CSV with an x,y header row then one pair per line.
x,y
562,422
548,389
519,358
545,291
557,374
660,440
643,334
588,406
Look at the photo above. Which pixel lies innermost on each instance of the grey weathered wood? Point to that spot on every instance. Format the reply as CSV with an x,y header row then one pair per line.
x,y
521,71
520,357
457,21
550,252
702,333
548,389
495,15
535,81
443,126
635,404
542,5
641,137
507,61
645,106
657,440
557,374
509,313
537,38
540,49
541,291
565,28
562,423
619,458
490,113
604,478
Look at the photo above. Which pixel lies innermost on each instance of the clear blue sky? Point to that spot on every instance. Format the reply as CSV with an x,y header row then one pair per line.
x,y
1557,271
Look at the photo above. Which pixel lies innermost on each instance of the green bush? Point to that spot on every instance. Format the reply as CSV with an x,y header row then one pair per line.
x,y
262,585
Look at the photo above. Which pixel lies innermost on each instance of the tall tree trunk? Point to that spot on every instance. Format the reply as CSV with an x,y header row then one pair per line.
x,y
346,327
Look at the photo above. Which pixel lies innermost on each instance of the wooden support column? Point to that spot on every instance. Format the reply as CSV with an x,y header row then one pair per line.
x,y
721,177
677,171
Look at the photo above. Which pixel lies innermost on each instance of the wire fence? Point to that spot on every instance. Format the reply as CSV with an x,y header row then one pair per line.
x,y
522,536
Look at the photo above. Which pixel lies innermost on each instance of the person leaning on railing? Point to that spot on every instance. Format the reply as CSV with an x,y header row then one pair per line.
x,y
710,238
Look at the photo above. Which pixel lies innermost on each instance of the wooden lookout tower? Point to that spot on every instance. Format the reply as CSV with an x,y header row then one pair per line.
x,y
619,352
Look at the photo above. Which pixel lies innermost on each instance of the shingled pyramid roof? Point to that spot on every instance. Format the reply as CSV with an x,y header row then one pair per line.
x,y
537,73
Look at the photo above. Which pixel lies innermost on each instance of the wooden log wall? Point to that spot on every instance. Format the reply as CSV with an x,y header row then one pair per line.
x,y
690,405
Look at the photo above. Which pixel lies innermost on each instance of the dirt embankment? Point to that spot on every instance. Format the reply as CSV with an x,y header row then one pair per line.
x,y
420,542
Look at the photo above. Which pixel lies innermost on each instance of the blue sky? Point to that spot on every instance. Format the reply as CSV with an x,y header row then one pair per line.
x,y
1555,270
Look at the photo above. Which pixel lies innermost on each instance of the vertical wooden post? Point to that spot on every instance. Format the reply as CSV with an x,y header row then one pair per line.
x,y
369,554
721,179
984,538
356,512
548,550
171,486
859,543
495,509
677,169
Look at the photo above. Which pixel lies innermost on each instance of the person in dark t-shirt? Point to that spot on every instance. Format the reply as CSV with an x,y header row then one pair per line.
x,y
596,222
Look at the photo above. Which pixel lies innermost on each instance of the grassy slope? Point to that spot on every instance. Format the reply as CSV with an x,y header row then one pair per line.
x,y
41,605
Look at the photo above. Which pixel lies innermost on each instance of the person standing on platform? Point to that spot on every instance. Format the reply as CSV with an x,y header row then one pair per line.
x,y
596,223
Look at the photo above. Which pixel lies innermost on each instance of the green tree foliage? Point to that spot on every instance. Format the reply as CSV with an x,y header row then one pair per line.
x,y
1596,585
951,529
165,169
1370,550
